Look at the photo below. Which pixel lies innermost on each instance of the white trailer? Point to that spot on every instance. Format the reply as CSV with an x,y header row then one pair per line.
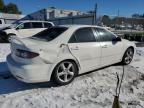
x,y
8,19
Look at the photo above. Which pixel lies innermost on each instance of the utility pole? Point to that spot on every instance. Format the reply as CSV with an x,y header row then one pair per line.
x,y
118,13
95,14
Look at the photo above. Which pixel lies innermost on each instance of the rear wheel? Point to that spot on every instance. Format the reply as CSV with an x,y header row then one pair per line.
x,y
65,72
128,56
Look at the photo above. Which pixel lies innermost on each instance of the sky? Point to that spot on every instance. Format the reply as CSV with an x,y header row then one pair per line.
x,y
108,7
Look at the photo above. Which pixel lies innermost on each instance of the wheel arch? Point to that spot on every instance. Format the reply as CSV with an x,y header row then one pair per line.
x,y
70,59
126,48
131,48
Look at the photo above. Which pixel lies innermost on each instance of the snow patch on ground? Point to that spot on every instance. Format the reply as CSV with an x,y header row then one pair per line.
x,y
93,90
138,62
4,51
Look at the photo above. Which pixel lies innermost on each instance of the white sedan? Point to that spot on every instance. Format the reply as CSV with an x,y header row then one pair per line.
x,y
62,52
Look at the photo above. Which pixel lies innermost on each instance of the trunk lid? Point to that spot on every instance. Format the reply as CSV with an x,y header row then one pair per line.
x,y
46,50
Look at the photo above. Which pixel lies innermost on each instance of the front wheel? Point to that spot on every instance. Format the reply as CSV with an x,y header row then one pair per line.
x,y
10,36
65,72
128,56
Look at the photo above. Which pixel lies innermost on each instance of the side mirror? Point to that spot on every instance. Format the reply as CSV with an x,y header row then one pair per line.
x,y
117,39
20,27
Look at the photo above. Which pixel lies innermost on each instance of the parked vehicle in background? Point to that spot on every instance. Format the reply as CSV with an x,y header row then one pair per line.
x,y
138,27
129,27
4,23
24,29
7,19
62,52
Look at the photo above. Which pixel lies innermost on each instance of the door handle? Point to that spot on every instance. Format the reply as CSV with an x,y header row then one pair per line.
x,y
76,48
104,46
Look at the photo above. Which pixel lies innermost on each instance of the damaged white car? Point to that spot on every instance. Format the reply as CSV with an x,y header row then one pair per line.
x,y
61,53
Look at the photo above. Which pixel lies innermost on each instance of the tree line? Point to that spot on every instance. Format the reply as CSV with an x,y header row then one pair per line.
x,y
136,15
10,8
107,20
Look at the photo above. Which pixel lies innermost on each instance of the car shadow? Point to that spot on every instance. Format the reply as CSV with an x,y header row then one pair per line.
x,y
3,68
8,84
11,85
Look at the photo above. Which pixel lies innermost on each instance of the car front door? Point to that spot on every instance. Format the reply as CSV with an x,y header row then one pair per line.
x,y
86,49
111,50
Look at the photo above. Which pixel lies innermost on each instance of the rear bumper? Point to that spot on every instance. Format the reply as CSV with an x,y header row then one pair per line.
x,y
32,73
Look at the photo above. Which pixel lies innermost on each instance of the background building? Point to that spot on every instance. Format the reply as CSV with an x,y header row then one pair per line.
x,y
60,16
10,18
52,13
57,13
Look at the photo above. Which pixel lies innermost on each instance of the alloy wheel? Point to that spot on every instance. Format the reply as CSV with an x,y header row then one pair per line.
x,y
65,72
128,56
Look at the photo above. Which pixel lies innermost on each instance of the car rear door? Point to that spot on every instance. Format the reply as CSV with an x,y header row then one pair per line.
x,y
47,25
24,30
86,49
37,27
111,50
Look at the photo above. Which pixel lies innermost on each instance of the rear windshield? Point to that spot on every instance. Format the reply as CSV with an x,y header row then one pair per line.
x,y
49,34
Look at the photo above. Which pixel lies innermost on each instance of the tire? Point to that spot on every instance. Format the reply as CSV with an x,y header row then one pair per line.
x,y
9,36
3,39
65,72
128,56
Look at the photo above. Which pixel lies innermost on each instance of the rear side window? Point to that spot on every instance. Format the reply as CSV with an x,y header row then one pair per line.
x,y
73,39
105,35
49,34
83,35
37,25
47,25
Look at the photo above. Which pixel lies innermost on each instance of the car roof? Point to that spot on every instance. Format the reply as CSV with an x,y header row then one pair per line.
x,y
83,26
80,26
34,21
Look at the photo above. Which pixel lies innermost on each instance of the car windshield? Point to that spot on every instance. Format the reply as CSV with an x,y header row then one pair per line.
x,y
49,34
15,24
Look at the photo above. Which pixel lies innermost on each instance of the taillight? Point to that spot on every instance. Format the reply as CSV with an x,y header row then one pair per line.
x,y
26,54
